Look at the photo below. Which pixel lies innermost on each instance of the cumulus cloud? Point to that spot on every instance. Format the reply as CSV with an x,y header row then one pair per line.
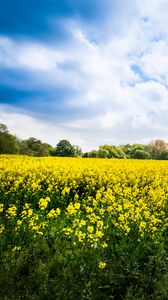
x,y
29,56
116,86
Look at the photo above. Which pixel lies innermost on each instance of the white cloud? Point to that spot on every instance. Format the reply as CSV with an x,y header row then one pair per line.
x,y
130,103
30,56
25,126
155,63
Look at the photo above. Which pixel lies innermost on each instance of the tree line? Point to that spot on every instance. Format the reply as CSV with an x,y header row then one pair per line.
x,y
10,144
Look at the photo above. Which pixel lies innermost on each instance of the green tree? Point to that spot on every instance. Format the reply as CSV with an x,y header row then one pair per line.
x,y
120,152
131,151
78,151
85,155
8,142
163,155
93,154
34,147
103,153
127,150
112,150
141,154
64,149
156,147
3,128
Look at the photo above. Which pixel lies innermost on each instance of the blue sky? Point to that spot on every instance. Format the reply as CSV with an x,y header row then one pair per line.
x,y
93,72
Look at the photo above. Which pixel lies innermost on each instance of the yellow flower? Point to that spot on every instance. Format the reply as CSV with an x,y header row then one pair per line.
x,y
76,197
1,207
77,205
54,213
89,209
100,224
82,223
142,225
27,205
109,208
71,209
81,235
121,218
27,212
102,265
68,230
19,222
43,203
101,211
99,234
34,185
51,214
2,227
58,211
16,248
11,211
65,191
90,229
104,245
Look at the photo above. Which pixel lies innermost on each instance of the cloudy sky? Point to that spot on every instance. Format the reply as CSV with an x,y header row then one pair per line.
x,y
90,71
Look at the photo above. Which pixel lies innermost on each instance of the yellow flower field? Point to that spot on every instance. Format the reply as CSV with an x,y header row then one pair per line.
x,y
87,191
89,203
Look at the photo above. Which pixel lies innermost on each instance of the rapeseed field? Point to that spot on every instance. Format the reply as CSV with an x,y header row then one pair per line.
x,y
75,228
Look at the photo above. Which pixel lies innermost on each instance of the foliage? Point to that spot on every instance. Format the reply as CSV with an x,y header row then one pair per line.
x,y
163,155
78,151
141,154
112,151
75,228
8,142
3,128
157,147
103,153
64,149
93,154
34,147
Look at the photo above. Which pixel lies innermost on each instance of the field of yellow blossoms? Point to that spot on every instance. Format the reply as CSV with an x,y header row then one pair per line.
x,y
75,228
